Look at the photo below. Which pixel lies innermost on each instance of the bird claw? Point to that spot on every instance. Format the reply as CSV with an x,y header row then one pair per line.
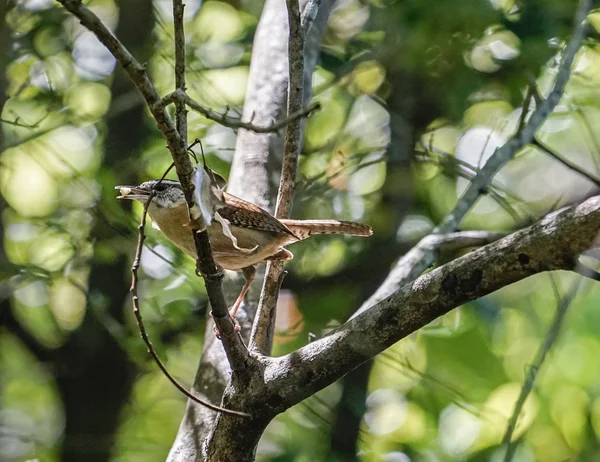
x,y
236,326
213,276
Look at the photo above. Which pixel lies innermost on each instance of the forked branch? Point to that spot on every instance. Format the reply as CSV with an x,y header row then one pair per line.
x,y
554,243
140,322
234,122
236,351
408,269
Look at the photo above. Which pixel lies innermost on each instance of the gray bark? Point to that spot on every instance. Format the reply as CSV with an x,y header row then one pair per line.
x,y
254,177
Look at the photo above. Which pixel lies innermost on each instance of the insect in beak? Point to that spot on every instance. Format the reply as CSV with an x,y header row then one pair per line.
x,y
132,192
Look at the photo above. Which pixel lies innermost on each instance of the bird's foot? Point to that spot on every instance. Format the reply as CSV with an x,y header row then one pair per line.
x,y
236,326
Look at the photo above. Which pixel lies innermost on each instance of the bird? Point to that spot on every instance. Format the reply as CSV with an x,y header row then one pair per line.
x,y
242,236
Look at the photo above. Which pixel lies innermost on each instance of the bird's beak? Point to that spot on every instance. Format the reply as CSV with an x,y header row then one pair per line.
x,y
133,193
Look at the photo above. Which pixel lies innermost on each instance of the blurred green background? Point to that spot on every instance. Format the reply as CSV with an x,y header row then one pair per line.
x,y
416,95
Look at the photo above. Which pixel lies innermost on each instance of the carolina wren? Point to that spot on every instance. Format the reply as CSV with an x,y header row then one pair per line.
x,y
250,235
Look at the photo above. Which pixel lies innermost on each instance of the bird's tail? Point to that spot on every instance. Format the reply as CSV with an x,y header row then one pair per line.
x,y
303,229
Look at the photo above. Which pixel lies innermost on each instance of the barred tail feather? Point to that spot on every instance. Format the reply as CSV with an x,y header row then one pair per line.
x,y
303,229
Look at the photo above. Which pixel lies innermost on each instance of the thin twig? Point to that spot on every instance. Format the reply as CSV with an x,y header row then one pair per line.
x,y
17,122
451,165
263,327
537,98
531,89
292,142
234,122
138,317
567,163
179,35
561,310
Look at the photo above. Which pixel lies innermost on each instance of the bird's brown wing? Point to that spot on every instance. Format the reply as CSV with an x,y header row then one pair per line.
x,y
244,214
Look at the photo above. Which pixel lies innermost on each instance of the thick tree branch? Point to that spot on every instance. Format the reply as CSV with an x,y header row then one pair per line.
x,y
411,264
261,337
554,243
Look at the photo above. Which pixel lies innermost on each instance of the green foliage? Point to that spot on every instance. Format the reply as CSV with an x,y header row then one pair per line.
x,y
416,96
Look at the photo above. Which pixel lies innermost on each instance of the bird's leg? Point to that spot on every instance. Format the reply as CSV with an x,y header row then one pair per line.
x,y
249,274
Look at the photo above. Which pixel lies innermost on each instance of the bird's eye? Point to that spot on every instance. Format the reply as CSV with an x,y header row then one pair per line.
x,y
159,187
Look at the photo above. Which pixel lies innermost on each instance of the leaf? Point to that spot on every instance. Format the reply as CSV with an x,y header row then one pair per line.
x,y
208,194
226,225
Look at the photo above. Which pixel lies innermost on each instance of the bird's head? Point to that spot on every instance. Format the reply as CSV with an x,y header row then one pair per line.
x,y
167,194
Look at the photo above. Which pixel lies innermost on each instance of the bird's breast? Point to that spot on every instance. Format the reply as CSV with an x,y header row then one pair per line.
x,y
253,246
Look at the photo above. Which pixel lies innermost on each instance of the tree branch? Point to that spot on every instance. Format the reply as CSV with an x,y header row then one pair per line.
x,y
261,337
140,322
420,258
566,162
411,264
506,152
179,35
293,140
236,351
554,243
233,122
532,372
